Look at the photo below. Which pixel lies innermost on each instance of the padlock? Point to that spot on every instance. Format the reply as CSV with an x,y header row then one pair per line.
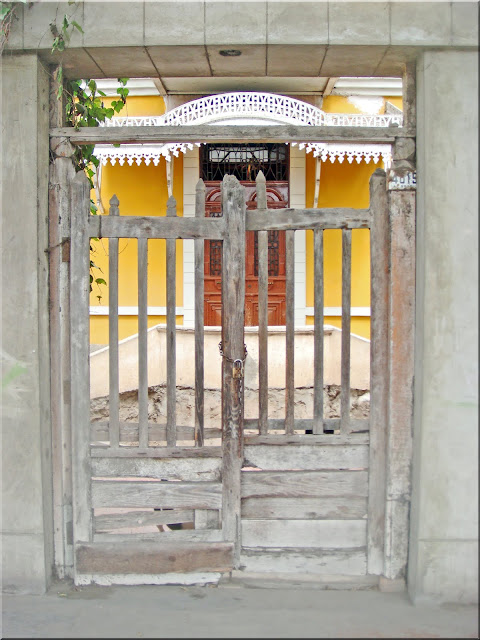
x,y
237,369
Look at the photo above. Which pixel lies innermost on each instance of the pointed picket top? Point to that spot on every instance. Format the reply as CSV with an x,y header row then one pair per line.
x,y
114,206
261,190
171,207
200,199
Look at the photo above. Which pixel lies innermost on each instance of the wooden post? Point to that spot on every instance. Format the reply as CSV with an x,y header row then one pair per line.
x,y
379,384
346,328
199,319
80,416
401,368
318,350
142,250
114,393
171,331
262,311
62,173
233,310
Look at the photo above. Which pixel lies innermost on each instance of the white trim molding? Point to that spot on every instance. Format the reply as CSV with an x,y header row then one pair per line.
x,y
349,151
98,310
139,153
251,107
357,312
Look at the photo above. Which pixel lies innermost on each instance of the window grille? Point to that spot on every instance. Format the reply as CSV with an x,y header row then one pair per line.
x,y
244,161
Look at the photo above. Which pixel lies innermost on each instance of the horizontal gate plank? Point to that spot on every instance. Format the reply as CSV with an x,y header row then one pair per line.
x,y
285,219
229,133
336,508
303,484
155,227
310,561
155,452
188,469
329,456
180,535
135,519
190,495
153,558
325,534
156,432
357,425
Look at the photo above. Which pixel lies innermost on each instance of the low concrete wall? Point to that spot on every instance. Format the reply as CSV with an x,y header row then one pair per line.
x,y
157,374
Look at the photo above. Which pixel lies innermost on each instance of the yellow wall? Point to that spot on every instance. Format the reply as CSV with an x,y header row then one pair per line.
x,y
141,190
342,185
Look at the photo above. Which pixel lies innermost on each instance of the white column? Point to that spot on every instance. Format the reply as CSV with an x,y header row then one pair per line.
x,y
297,200
191,169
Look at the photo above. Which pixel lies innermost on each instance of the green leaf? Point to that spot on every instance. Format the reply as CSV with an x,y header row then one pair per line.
x,y
77,26
101,281
123,80
92,85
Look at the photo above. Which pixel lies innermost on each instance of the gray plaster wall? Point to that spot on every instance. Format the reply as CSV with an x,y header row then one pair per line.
x,y
443,561
25,424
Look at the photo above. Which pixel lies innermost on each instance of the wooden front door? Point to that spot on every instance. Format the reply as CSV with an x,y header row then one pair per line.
x,y
277,198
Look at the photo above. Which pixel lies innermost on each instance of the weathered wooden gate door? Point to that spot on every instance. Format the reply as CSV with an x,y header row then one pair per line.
x,y
152,500
262,496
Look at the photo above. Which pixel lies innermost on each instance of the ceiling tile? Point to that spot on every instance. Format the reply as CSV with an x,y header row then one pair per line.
x,y
123,62
352,61
180,61
252,62
297,60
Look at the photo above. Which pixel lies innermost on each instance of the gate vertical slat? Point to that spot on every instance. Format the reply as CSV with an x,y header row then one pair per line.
x,y
171,332
114,426
379,369
318,332
80,398
199,249
290,331
142,343
233,312
346,322
262,311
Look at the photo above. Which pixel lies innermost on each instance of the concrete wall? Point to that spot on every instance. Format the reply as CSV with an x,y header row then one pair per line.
x,y
157,370
444,519
26,441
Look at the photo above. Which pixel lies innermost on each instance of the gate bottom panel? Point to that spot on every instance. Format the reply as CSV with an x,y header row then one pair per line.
x,y
142,557
312,561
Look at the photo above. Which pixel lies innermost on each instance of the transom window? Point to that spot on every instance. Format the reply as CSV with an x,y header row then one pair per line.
x,y
244,161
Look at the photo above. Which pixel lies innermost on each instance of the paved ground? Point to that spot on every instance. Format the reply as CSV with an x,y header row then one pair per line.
x,y
229,612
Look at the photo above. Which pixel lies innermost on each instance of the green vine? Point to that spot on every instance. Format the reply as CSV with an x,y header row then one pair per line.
x,y
84,107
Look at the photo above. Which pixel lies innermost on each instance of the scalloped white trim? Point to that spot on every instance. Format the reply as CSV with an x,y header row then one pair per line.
x,y
139,153
351,151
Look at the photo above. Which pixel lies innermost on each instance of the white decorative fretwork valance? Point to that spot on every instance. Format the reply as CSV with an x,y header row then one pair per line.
x,y
249,108
359,152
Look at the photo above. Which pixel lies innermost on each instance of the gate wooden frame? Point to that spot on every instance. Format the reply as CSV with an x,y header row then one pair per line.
x,y
391,219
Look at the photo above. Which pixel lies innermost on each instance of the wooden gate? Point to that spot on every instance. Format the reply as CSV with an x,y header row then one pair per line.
x,y
255,495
